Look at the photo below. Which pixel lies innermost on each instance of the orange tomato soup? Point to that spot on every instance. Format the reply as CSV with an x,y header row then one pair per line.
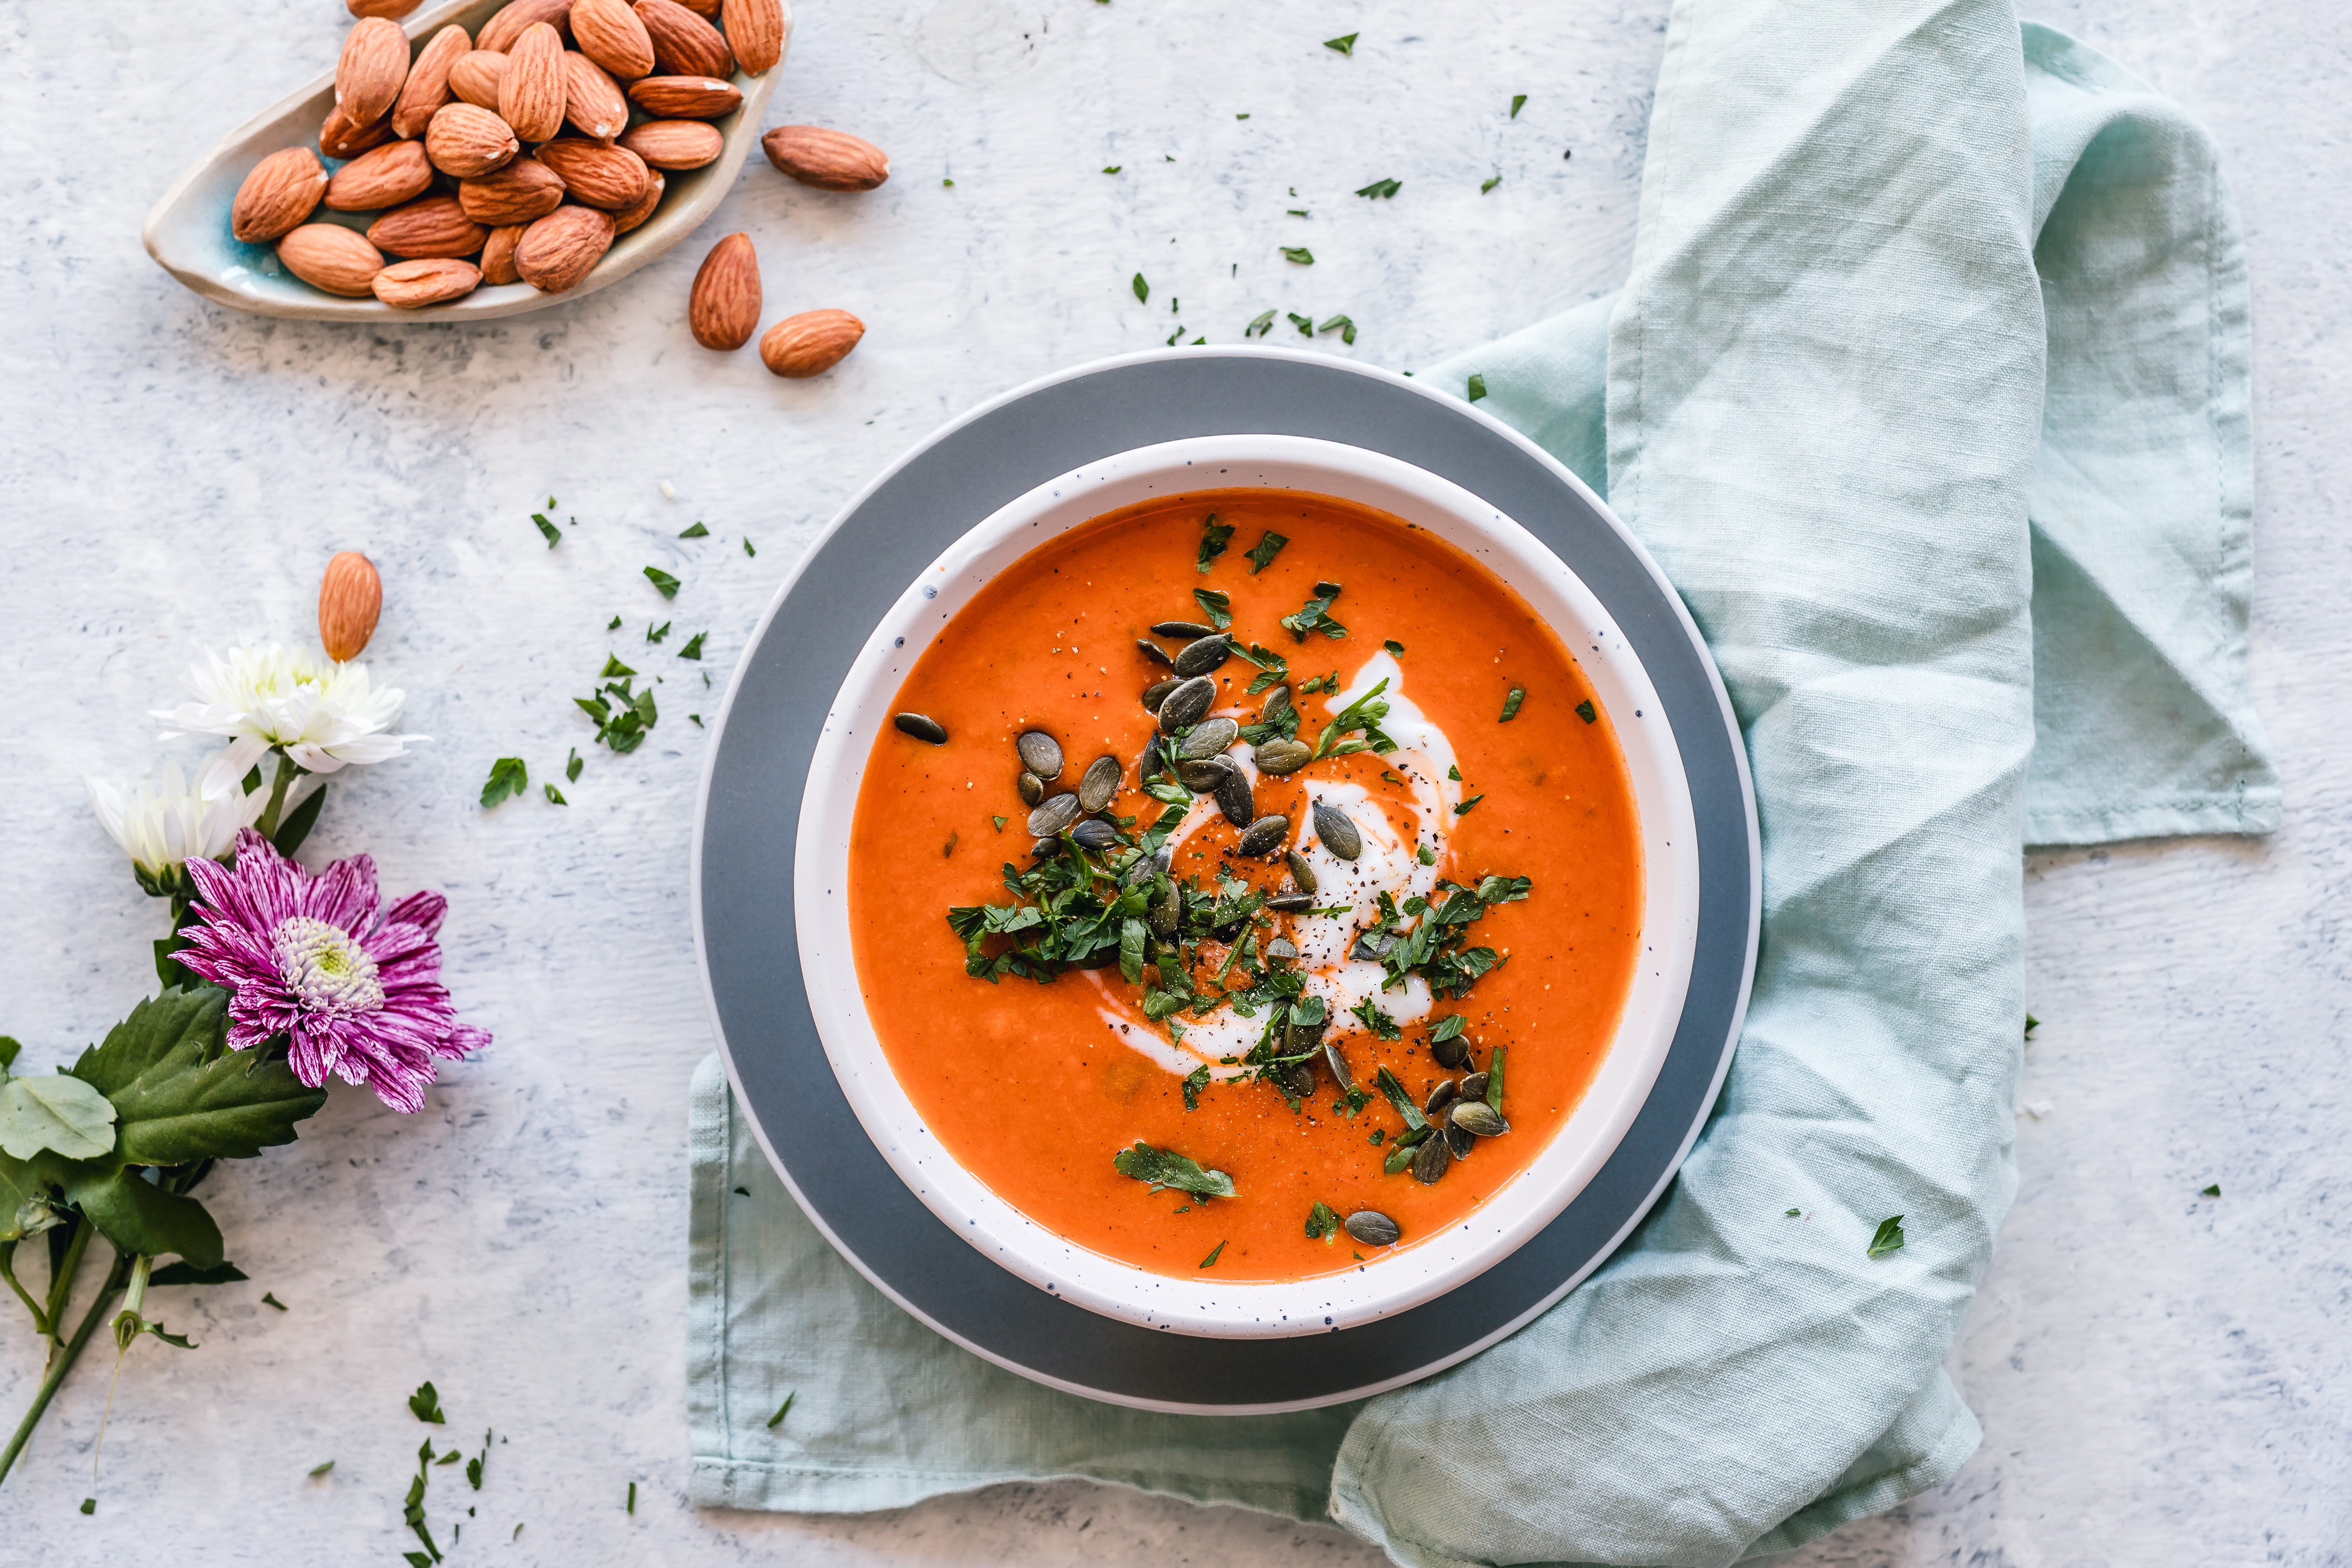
x,y
1034,1088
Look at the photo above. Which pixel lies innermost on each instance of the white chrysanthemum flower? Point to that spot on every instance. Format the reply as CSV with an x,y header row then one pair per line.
x,y
163,824
324,714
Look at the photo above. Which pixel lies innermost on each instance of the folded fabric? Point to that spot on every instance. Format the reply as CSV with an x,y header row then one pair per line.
x,y
1899,289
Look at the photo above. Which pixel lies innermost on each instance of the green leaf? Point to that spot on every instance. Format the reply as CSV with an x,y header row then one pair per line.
x,y
1414,1119
25,1208
1518,102
1195,1082
1260,326
59,1112
1584,710
1215,537
747,551
572,766
782,1410
426,1405
1132,936
663,581
507,777
137,1216
554,796
189,1273
1463,809
1448,1027
89,1505
270,1300
1142,289
1322,1223
554,535
1215,1253
1261,554
298,823
180,1096
1495,1081
1477,387
1511,701
1488,184
1345,44
1166,1168
1299,254
1218,607
9,1047
1345,328
697,531
1888,1237
1793,1214
1381,190
2214,1191
316,1470
693,648
1306,324
614,670
1112,168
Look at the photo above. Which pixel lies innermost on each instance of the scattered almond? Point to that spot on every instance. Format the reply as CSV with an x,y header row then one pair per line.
x,y
434,227
381,177
675,144
282,190
684,44
636,212
685,97
475,78
530,98
593,100
756,30
500,31
810,344
329,257
608,177
466,142
497,255
351,597
723,312
338,138
557,250
609,33
412,285
524,190
428,87
373,65
829,160
392,10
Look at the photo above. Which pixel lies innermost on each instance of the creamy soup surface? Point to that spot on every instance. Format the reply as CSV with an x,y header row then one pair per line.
x,y
1195,1025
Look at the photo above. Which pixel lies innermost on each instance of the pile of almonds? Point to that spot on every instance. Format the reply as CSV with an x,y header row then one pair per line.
x,y
509,157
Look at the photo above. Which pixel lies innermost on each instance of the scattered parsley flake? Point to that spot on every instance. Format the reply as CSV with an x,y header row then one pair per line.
x,y
1463,809
1262,325
662,581
1495,1080
554,534
1295,212
1261,554
782,1410
612,625
1425,855
1888,1238
1216,604
1241,117
1314,616
747,551
1477,387
1511,701
1518,102
999,821
507,777
1347,328
1113,168
318,1470
1215,537
1306,324
2214,1191
1160,1168
945,183
633,1485
1215,1253
425,1405
1345,44
89,1505
1322,1223
2032,1023
1195,1082
1793,1214
693,648
1142,289
1489,183
1381,190
270,1300
697,531
572,766
655,634
1584,710
554,796
1369,1014
1299,254
1396,648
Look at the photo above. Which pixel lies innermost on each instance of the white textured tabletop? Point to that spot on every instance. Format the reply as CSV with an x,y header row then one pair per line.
x,y
2162,1378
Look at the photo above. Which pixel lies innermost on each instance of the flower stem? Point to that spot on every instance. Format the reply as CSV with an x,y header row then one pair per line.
x,y
56,1375
288,772
41,1324
61,1282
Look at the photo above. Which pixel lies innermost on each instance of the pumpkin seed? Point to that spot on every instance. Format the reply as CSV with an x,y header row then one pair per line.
x,y
1055,817
1300,871
1166,911
1277,703
1337,1062
1188,630
1235,800
1337,832
1373,1227
1279,757
1298,1078
923,727
1281,950
1187,705
1032,787
1447,1089
1045,848
1429,1161
1459,1138
1204,655
1099,784
1477,1116
1205,776
1209,737
1095,834
1261,836
1290,903
1475,1086
1154,652
1452,1053
1156,693
1149,763
1040,753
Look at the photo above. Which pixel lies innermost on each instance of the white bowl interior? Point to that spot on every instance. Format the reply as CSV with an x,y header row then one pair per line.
x,y
1391,1282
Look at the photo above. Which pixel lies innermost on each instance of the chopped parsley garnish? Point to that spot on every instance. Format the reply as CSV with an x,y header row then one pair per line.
x,y
999,821
1322,1223
1367,1013
1516,695
662,581
1314,616
318,1470
2032,1023
693,648
1414,1120
426,1405
782,1410
622,716
1261,554
1113,168
1792,1213
1396,648
1518,102
507,777
1306,324
554,534
1494,1080
269,1299
1477,387
2212,1191
1347,328
1448,1027
1381,190
554,796
697,531
1215,537
1216,605
1195,1082
614,669
1345,44
1584,710
614,625
1297,253
1362,717
1259,327
1463,809
1488,184
1425,855
747,546
1159,1168
1142,289
1888,1238
1215,1253
655,634
571,765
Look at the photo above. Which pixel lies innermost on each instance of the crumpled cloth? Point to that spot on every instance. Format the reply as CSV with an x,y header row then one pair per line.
x,y
1928,389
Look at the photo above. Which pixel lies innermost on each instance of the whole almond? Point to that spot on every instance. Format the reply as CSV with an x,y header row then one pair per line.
x,y
499,33
810,344
466,142
675,144
497,255
381,177
612,178
557,250
436,225
373,65
707,9
685,97
338,138
428,87
351,597
476,76
684,44
609,33
411,285
330,257
392,10
593,100
282,190
523,190
636,212
829,160
755,31
723,312
530,98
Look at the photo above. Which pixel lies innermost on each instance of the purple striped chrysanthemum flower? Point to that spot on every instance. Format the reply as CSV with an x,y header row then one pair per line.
x,y
356,993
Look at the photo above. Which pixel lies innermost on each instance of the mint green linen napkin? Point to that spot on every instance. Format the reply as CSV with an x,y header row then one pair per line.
x,y
1897,290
